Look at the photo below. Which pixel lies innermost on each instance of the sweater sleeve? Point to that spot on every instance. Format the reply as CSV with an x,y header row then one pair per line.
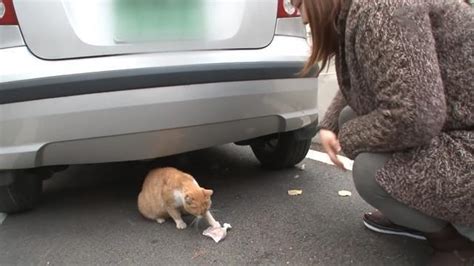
x,y
396,53
331,118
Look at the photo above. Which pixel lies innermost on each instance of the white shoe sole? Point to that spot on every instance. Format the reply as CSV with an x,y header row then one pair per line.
x,y
378,230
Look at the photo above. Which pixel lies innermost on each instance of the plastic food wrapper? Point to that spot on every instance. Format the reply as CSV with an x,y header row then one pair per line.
x,y
217,233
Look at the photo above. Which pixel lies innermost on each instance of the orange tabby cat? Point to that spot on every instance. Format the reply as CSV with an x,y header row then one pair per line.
x,y
168,192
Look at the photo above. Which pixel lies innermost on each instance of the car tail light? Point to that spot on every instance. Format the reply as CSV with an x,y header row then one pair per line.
x,y
286,9
7,13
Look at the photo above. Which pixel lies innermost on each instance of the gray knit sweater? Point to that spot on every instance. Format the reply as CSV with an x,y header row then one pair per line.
x,y
406,67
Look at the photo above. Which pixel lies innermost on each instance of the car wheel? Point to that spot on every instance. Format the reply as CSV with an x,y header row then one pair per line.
x,y
20,190
281,151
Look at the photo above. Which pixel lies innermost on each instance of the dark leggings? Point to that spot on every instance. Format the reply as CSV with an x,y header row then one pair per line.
x,y
365,167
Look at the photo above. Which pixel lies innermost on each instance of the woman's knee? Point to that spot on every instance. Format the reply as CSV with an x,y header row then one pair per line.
x,y
364,171
361,176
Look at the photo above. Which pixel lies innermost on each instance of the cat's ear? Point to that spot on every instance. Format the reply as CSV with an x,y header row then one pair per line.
x,y
208,192
188,199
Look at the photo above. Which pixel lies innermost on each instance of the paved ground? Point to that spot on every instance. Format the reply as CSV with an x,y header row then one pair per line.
x,y
88,216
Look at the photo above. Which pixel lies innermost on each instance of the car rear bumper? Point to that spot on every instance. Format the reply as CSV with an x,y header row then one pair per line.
x,y
148,77
68,114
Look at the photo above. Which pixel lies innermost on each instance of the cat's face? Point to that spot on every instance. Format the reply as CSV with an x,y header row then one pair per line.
x,y
198,201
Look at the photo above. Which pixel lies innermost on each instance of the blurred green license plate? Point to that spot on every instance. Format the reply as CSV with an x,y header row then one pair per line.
x,y
157,20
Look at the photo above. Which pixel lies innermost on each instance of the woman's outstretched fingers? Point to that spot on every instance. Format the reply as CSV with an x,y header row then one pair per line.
x,y
333,156
331,146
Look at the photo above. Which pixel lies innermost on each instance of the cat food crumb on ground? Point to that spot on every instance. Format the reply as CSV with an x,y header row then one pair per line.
x,y
199,253
344,193
295,192
301,166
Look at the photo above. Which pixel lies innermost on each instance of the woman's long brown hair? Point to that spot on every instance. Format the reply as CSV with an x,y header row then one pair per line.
x,y
322,16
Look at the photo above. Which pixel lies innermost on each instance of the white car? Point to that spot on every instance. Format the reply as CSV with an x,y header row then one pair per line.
x,y
119,80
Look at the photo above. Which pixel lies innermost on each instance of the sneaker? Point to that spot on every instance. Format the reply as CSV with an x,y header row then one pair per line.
x,y
377,222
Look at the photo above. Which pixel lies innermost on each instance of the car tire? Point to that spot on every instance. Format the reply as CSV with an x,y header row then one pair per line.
x,y
20,190
281,151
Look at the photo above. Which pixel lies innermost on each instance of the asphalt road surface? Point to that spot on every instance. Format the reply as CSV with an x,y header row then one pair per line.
x,y
88,216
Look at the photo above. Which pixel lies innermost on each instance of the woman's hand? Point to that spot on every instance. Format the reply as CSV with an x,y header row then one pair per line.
x,y
331,146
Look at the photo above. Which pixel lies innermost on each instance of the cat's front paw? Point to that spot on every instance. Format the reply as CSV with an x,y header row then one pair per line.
x,y
181,225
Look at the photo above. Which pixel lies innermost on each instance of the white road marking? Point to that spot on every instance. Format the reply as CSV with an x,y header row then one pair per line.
x,y
3,216
324,158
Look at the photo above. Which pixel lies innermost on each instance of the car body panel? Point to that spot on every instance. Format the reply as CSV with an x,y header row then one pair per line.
x,y
125,105
84,128
60,29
